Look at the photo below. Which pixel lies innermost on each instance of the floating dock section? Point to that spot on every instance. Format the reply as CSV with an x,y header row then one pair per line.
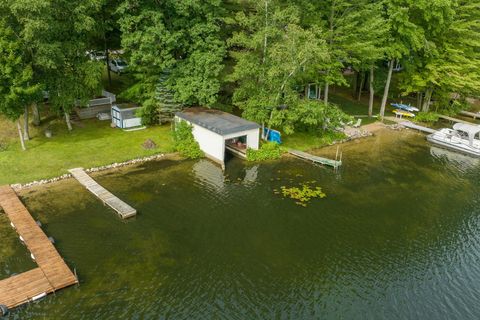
x,y
124,210
315,159
52,273
411,125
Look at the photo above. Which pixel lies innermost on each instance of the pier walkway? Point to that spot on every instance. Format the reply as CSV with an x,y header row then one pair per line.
x,y
441,116
315,159
474,115
52,273
411,125
124,210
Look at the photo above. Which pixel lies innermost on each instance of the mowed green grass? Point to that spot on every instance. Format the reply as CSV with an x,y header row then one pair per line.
x,y
305,141
92,143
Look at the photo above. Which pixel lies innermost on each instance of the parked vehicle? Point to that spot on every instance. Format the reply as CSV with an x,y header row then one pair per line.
x,y
118,66
96,55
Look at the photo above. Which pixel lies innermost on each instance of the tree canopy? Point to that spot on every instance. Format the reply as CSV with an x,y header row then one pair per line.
x,y
260,56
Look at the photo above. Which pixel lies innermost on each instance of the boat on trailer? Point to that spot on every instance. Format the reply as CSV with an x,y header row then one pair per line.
x,y
464,138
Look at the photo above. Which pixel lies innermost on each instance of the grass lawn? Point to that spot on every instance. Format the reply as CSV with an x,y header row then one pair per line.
x,y
92,143
343,98
305,141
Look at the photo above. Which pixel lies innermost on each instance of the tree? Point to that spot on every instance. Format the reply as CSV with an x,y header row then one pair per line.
x,y
451,53
178,37
106,34
73,78
54,36
17,88
405,35
273,55
354,35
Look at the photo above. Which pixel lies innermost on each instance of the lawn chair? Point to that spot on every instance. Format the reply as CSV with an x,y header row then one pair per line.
x,y
358,124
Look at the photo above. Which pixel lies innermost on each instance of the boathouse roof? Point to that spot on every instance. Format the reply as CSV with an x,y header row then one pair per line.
x,y
217,121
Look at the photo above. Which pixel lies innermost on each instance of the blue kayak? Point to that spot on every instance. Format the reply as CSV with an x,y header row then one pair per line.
x,y
405,107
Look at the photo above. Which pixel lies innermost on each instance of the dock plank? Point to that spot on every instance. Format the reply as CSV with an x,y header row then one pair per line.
x,y
411,125
453,119
315,159
123,209
52,273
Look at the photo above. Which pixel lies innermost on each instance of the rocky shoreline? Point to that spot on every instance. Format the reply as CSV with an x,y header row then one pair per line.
x,y
19,186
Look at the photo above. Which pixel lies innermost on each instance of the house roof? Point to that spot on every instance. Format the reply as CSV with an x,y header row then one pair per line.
x,y
217,121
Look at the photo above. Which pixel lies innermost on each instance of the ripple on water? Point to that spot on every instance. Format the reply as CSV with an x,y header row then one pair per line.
x,y
398,237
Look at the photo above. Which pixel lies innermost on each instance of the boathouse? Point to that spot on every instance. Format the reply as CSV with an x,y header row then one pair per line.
x,y
217,131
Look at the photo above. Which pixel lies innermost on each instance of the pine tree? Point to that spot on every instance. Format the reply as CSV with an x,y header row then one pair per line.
x,y
166,104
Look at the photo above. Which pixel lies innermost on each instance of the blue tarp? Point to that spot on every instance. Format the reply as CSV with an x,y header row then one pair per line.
x,y
273,135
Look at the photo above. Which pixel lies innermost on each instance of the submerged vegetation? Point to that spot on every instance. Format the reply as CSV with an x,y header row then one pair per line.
x,y
303,194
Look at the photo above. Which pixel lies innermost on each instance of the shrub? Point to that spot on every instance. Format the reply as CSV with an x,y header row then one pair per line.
x,y
148,112
268,151
184,142
426,117
309,115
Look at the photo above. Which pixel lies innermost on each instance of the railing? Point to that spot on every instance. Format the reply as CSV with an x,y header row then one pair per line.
x,y
107,98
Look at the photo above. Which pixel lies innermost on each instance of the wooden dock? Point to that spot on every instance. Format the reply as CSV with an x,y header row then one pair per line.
x,y
315,159
474,115
52,273
411,125
236,152
124,210
441,116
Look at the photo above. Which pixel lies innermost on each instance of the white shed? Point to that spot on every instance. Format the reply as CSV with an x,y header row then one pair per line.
x,y
125,116
215,131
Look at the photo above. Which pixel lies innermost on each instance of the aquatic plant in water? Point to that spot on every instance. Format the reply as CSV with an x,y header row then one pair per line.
x,y
302,194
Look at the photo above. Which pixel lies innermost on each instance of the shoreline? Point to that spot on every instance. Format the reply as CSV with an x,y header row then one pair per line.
x,y
372,129
115,165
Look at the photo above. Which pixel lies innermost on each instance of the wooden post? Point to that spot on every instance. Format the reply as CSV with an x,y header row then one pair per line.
x,y
336,162
19,128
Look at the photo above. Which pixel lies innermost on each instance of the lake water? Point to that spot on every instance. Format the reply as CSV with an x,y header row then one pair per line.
x,y
397,237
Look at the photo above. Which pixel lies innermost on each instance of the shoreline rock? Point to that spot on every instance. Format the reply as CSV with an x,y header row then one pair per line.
x,y
20,186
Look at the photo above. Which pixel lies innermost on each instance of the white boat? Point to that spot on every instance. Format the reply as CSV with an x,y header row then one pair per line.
x,y
463,138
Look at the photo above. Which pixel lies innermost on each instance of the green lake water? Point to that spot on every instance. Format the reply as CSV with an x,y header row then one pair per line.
x,y
397,237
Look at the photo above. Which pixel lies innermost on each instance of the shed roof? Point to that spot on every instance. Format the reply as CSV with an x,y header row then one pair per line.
x,y
217,121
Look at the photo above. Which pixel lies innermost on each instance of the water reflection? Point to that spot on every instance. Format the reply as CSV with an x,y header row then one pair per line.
x,y
210,173
460,161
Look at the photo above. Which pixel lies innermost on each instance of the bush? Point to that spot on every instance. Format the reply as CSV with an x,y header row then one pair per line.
x,y
148,112
184,142
426,117
268,151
